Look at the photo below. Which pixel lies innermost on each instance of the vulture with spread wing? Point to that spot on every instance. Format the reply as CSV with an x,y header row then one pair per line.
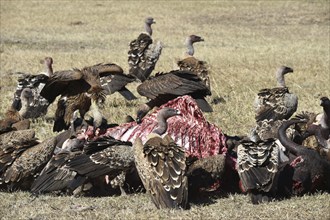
x,y
167,86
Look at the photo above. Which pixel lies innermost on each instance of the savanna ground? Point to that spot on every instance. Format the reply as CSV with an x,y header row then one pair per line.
x,y
245,42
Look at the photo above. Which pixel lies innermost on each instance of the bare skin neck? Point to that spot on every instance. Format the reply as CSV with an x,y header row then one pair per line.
x,y
190,48
325,121
162,125
49,69
280,78
97,116
25,106
147,28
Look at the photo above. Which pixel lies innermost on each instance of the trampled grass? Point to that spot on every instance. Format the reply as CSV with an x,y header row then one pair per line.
x,y
244,44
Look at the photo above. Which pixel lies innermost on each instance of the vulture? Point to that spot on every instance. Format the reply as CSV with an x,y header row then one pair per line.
x,y
14,119
274,169
276,103
325,118
307,129
79,160
37,105
23,161
12,145
161,165
143,53
204,143
258,168
22,156
167,86
191,63
77,88
309,171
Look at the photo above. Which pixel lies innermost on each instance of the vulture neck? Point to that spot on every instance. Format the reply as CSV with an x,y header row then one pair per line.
x,y
190,48
280,78
322,141
162,116
97,116
49,69
25,106
162,125
294,148
148,29
325,120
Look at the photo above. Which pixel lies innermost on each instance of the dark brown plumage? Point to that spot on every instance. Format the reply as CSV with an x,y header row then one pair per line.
x,y
22,157
12,144
161,165
167,86
66,106
276,103
77,88
11,116
310,172
55,176
14,119
21,125
191,63
29,163
117,82
73,82
78,161
143,53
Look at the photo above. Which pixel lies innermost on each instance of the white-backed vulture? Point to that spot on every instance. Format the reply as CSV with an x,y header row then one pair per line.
x,y
276,103
161,165
191,63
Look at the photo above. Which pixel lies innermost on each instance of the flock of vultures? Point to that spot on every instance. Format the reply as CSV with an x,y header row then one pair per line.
x,y
168,149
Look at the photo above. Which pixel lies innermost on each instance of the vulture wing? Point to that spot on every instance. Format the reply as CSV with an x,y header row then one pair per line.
x,y
162,166
176,83
257,165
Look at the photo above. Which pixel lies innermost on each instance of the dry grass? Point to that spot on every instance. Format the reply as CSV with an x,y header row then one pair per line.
x,y
139,206
245,43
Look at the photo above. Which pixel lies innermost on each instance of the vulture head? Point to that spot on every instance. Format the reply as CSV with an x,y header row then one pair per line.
x,y
162,116
147,24
282,70
190,41
48,62
194,38
325,102
150,21
27,96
